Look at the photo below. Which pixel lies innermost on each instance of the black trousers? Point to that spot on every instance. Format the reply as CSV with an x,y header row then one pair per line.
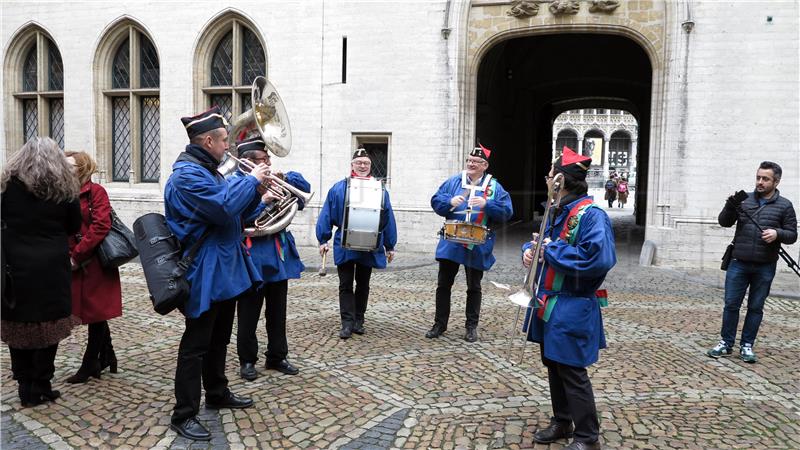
x,y
33,369
353,305
249,311
447,275
201,355
573,399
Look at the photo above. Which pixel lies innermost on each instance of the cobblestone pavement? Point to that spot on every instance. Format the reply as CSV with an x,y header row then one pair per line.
x,y
393,388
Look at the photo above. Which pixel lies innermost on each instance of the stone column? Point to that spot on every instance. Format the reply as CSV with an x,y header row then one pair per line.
x,y
632,161
606,157
580,145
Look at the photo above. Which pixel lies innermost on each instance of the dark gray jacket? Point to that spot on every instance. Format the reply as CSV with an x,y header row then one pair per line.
x,y
777,213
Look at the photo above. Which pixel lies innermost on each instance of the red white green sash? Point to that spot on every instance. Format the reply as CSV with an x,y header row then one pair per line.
x,y
554,280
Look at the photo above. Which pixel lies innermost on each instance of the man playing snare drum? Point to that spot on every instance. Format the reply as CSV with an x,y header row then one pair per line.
x,y
472,196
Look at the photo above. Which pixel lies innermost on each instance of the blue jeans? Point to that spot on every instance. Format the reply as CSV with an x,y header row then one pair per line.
x,y
741,274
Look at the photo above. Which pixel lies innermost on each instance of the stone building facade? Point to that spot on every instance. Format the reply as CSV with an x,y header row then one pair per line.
x,y
712,86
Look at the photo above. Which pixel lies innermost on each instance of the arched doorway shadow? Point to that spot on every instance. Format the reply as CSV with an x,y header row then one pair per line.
x,y
524,83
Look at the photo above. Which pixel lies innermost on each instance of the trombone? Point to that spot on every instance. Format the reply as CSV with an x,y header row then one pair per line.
x,y
530,286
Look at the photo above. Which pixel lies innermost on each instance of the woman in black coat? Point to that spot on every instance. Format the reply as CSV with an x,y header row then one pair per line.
x,y
40,209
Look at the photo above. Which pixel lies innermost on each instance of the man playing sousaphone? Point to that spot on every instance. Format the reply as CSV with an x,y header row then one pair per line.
x,y
471,197
354,264
275,254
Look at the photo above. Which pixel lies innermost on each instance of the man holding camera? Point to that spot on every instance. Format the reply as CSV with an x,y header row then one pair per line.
x,y
755,255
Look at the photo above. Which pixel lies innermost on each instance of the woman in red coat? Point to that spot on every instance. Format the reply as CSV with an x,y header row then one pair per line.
x,y
96,291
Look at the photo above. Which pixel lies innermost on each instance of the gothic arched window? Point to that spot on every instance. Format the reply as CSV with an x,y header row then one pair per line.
x,y
38,88
130,90
237,58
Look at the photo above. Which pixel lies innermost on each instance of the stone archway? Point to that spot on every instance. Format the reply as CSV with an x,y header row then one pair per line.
x,y
519,74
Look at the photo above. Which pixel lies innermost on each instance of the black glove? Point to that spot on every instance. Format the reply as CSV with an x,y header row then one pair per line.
x,y
735,200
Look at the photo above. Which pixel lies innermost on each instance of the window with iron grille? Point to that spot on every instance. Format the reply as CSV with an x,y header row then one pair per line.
x,y
237,58
377,146
565,138
39,94
131,90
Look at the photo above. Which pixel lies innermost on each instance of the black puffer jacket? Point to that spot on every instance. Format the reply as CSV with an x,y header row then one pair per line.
x,y
777,213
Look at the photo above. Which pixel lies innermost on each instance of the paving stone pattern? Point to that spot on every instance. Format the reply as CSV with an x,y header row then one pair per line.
x,y
393,388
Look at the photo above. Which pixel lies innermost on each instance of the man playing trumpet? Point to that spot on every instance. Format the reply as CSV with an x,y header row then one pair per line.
x,y
491,205
276,256
577,253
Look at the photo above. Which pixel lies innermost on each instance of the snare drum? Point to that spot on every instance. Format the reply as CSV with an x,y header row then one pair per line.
x,y
362,214
464,232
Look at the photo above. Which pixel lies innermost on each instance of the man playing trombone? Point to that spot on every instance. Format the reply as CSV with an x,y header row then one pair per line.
x,y
577,253
202,206
275,254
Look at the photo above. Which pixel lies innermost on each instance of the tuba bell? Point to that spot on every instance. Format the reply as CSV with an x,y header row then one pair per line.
x,y
267,119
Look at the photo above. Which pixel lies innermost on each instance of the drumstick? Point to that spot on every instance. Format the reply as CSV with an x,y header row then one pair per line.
x,y
322,272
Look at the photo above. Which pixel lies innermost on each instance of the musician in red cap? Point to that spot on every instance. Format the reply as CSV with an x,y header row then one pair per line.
x,y
565,317
489,205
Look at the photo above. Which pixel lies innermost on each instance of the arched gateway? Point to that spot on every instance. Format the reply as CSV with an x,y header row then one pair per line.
x,y
526,62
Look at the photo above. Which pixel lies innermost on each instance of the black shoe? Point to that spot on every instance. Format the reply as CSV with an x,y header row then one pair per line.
x,y
346,332
248,371
554,432
578,445
471,335
191,429
283,367
435,331
231,401
358,328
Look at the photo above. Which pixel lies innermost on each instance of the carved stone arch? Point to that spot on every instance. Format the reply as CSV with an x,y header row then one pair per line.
x,y
598,129
622,130
20,43
113,35
214,30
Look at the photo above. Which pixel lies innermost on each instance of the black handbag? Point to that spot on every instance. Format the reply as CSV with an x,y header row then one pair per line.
x,y
727,257
118,247
164,269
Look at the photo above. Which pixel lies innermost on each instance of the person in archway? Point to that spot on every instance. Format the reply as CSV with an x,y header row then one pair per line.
x,y
611,190
577,253
490,205
622,192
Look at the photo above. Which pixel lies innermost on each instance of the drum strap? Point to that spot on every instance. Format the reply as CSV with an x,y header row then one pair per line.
x,y
554,280
482,219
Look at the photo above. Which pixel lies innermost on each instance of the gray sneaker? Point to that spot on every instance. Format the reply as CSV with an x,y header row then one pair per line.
x,y
721,349
746,354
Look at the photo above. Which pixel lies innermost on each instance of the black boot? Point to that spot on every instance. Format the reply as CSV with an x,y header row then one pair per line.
x,y
90,366
108,359
25,396
88,369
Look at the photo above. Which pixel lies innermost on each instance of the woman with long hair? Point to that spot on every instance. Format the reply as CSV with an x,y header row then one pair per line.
x,y
40,210
96,291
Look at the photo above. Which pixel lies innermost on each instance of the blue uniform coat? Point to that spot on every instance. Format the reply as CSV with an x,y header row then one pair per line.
x,y
498,209
264,250
194,199
574,333
332,215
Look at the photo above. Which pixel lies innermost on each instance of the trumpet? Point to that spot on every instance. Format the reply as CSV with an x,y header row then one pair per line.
x,y
279,215
530,285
